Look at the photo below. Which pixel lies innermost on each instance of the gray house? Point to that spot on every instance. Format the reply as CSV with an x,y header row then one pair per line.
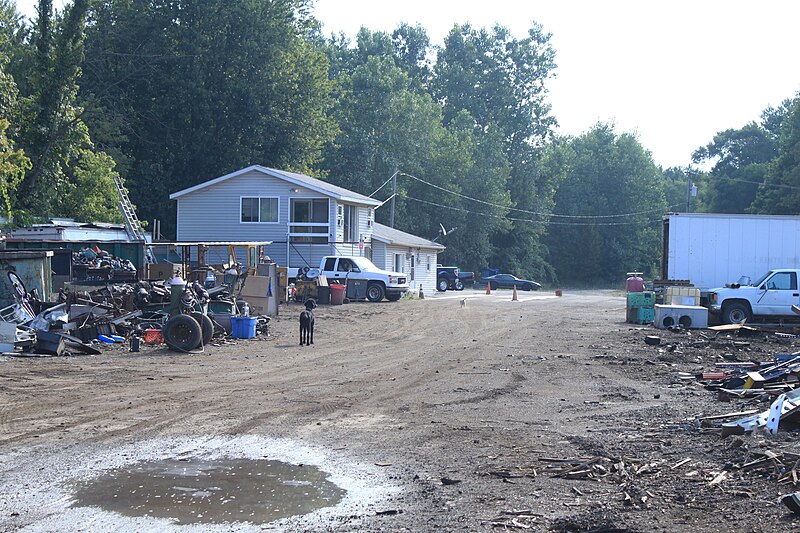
x,y
305,218
402,252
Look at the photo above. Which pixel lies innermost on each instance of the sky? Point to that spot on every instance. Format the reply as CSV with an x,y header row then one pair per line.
x,y
674,73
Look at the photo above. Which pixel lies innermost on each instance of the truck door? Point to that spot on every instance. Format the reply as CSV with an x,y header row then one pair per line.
x,y
329,267
779,293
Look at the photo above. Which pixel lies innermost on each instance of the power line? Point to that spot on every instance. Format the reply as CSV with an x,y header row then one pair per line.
x,y
543,222
754,182
382,186
655,210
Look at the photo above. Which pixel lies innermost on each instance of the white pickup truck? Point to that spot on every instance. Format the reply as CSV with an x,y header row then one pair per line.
x,y
380,283
773,294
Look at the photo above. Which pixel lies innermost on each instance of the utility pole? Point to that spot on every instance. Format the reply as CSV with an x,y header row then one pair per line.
x,y
394,193
688,191
691,190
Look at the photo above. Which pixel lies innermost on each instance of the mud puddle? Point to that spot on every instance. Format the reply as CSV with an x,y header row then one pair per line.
x,y
199,491
202,483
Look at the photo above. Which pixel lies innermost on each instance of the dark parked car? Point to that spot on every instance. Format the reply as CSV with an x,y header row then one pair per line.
x,y
507,281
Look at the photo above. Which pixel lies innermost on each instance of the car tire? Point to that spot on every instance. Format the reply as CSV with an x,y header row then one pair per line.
x,y
182,333
459,285
734,313
206,326
528,287
442,284
375,292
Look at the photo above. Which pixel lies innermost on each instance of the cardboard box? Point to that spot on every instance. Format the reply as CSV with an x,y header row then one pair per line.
x,y
283,276
256,286
258,306
164,271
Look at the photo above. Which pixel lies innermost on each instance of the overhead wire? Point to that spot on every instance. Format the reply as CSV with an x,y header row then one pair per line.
x,y
537,213
513,219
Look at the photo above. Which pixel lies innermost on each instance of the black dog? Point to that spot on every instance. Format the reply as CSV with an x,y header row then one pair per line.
x,y
307,323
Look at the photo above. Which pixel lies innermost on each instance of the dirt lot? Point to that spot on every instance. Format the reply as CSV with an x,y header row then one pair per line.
x,y
462,409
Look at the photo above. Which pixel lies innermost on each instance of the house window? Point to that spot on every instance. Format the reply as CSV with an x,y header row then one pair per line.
x,y
309,220
350,223
259,209
398,263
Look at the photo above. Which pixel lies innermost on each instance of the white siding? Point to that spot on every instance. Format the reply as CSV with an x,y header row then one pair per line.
x,y
425,264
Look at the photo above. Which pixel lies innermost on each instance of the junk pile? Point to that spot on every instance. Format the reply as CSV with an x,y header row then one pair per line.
x,y
182,315
775,380
94,264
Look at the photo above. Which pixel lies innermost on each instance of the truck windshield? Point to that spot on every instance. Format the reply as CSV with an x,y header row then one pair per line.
x,y
364,263
760,280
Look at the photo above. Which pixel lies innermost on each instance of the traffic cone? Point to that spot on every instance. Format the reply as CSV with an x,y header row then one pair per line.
x,y
421,294
488,288
514,294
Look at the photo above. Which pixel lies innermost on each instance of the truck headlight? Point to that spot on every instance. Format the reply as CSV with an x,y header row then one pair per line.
x,y
712,297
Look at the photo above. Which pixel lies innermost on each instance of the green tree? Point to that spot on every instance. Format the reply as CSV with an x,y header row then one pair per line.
x,y
49,121
187,91
13,164
780,192
741,158
608,210
500,81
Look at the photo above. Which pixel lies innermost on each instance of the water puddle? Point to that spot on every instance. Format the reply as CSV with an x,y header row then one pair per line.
x,y
205,491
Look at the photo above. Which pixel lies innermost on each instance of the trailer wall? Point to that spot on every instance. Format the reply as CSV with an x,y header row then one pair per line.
x,y
710,250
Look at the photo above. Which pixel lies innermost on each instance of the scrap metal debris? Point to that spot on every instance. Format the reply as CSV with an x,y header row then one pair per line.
x,y
88,315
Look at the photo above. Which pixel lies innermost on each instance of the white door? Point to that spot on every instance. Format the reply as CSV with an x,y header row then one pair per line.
x,y
778,294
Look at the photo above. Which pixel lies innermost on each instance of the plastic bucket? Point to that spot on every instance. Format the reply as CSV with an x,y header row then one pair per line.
x,y
337,294
243,327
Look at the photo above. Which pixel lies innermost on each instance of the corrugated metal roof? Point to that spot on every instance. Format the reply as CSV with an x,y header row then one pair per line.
x,y
315,184
394,236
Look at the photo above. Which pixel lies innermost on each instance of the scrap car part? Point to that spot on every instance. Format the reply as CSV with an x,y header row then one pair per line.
x,y
785,406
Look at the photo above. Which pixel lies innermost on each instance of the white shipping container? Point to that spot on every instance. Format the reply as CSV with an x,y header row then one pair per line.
x,y
711,249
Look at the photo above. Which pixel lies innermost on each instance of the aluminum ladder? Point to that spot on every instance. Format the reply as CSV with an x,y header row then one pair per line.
x,y
133,227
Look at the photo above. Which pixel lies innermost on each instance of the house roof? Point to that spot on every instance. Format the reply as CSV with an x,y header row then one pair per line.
x,y
393,236
322,187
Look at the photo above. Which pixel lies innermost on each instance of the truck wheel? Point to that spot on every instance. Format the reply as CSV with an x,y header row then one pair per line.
x,y
375,292
734,313
206,326
182,333
459,285
442,284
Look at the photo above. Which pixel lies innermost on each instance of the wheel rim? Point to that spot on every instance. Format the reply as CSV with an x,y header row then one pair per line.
x,y
374,293
442,285
737,315
181,333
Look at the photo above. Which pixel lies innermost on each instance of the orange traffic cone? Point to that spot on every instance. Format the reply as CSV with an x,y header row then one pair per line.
x,y
488,288
514,294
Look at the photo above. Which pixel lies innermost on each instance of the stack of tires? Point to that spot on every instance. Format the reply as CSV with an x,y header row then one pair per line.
x,y
184,333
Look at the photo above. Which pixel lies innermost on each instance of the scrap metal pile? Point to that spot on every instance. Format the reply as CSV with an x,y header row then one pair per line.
x,y
99,265
176,311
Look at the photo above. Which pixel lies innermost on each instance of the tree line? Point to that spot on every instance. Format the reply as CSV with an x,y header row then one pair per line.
x,y
171,94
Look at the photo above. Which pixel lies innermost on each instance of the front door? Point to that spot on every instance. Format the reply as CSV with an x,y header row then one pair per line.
x,y
778,294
